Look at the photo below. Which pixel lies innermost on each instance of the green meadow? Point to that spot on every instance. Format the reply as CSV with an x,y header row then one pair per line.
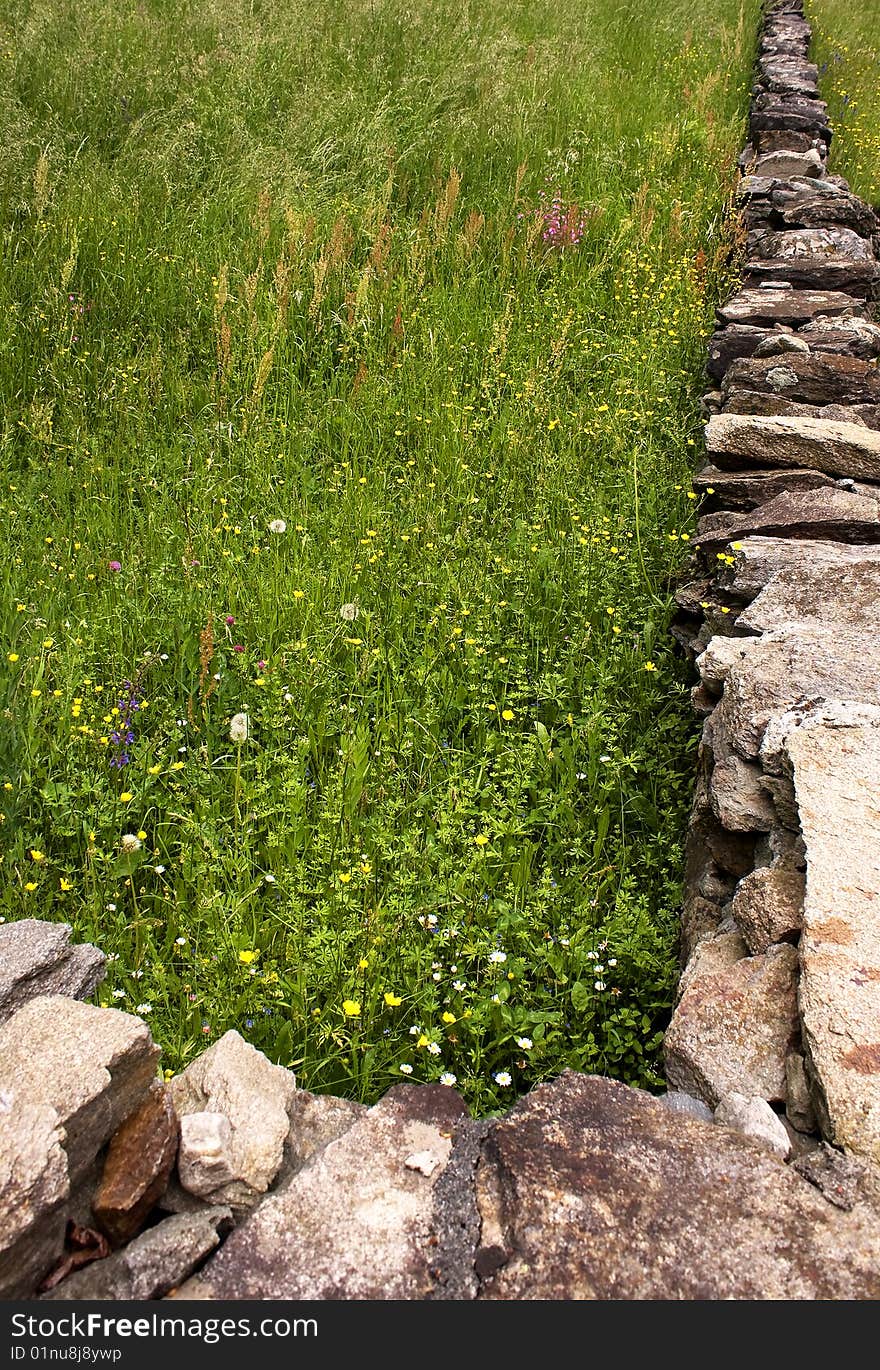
x,y
846,45
350,360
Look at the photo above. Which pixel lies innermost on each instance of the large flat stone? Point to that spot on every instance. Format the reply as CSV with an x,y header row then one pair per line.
x,y
812,378
765,308
355,1223
592,1190
827,514
740,491
94,1066
758,559
34,1189
36,958
734,1027
835,762
844,336
842,449
817,594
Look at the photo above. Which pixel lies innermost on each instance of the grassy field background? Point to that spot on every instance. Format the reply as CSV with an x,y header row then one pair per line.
x,y
349,365
846,45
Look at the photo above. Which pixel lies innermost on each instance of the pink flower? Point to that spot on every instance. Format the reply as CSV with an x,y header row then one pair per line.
x,y
115,565
230,620
238,647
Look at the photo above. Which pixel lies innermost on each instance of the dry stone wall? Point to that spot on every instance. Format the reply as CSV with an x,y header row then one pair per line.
x,y
780,996
756,1175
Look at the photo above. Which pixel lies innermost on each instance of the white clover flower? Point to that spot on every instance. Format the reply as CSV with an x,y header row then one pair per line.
x,y
503,1077
278,526
600,985
524,1042
144,1008
239,728
130,843
612,960
447,1078
349,612
434,1048
406,1070
111,908
497,957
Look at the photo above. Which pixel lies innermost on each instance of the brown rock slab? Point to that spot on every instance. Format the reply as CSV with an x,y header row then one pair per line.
x,y
843,336
733,1029
787,164
92,1065
711,956
34,1190
137,1168
737,340
36,958
768,905
768,307
592,1190
835,762
842,449
354,1223
738,799
758,559
827,513
740,491
812,378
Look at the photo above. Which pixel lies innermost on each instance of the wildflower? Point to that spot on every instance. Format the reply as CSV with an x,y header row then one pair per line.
x,y
503,1078
269,879
350,1008
180,941
114,565
65,885
126,797
406,1069
130,843
525,1043
459,986
31,885
37,855
144,1008
447,1078
277,526
434,1048
239,728
414,1030
119,994
481,840
349,612
497,957
599,984
13,656
507,714
160,870
246,957
392,1000
448,1017
649,666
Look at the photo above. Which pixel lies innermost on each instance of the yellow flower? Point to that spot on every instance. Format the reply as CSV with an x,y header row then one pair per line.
x,y
246,957
31,885
126,796
35,694
345,877
481,840
299,594
649,666
260,680
48,642
65,884
392,1000
8,785
507,714
176,766
154,770
448,1017
423,1041
13,656
350,1008
37,856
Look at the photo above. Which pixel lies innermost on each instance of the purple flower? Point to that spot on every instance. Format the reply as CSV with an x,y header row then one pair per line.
x,y
115,565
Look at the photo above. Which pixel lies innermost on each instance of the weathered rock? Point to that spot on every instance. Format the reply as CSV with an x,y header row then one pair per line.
x,y
92,1065
786,164
844,336
685,1103
712,955
775,344
768,905
740,340
817,594
355,1223
821,204
758,559
137,1168
843,449
797,664
774,306
34,1189
154,1263
315,1121
798,1101
733,1029
753,1117
827,513
593,1190
738,798
232,1078
844,1181
813,378
740,491
770,406
36,958
206,1162
833,258
835,762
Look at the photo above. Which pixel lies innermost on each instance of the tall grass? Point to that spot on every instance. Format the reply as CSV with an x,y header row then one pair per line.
x,y
846,45
427,286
